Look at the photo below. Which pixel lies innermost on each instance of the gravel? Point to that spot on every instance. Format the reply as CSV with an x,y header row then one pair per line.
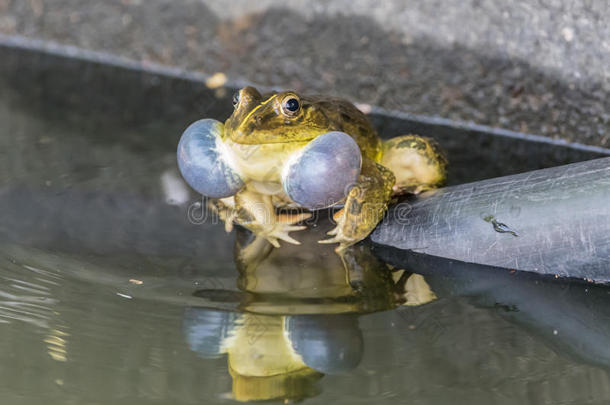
x,y
533,66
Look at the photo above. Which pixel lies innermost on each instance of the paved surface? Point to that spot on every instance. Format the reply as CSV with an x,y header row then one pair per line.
x,y
533,66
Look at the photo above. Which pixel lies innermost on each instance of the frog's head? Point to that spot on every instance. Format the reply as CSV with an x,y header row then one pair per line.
x,y
274,118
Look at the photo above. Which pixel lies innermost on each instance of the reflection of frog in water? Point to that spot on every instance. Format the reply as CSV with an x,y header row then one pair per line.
x,y
298,314
282,150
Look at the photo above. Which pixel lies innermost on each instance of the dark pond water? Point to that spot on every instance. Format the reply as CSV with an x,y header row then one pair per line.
x,y
114,290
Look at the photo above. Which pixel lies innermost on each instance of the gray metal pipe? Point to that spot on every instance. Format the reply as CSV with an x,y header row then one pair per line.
x,y
551,221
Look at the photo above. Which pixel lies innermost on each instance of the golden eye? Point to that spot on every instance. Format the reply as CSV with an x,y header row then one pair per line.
x,y
291,105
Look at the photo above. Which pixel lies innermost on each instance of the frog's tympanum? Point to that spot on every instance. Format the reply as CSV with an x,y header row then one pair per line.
x,y
295,314
281,151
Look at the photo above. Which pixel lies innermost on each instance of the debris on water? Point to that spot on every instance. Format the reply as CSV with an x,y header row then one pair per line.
x,y
499,226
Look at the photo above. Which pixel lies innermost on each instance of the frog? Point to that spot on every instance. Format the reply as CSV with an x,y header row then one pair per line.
x,y
266,130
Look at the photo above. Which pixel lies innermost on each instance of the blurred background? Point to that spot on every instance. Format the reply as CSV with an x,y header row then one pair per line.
x,y
538,67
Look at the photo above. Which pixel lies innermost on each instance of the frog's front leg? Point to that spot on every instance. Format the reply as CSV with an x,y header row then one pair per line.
x,y
256,212
365,205
224,209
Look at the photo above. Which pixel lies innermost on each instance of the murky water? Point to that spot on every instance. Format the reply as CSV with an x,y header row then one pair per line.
x,y
111,294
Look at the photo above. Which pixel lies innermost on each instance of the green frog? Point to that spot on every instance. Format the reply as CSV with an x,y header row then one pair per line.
x,y
267,142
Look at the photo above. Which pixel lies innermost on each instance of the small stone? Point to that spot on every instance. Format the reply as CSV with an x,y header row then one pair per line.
x,y
216,80
568,34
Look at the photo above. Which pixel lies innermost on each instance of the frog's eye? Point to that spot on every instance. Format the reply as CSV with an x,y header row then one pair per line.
x,y
235,99
290,105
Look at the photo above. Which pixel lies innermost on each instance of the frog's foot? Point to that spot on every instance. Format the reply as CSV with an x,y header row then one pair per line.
x,y
341,234
417,162
256,212
364,207
293,218
284,224
281,232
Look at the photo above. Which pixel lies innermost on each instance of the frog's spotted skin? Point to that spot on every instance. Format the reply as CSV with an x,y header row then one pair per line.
x,y
265,131
417,163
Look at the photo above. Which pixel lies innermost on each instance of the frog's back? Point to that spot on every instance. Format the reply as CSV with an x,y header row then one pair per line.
x,y
345,117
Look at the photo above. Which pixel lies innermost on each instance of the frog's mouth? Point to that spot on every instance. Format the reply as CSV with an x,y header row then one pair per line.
x,y
253,136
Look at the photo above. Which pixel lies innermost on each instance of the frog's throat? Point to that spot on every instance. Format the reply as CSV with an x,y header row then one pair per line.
x,y
292,159
228,156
